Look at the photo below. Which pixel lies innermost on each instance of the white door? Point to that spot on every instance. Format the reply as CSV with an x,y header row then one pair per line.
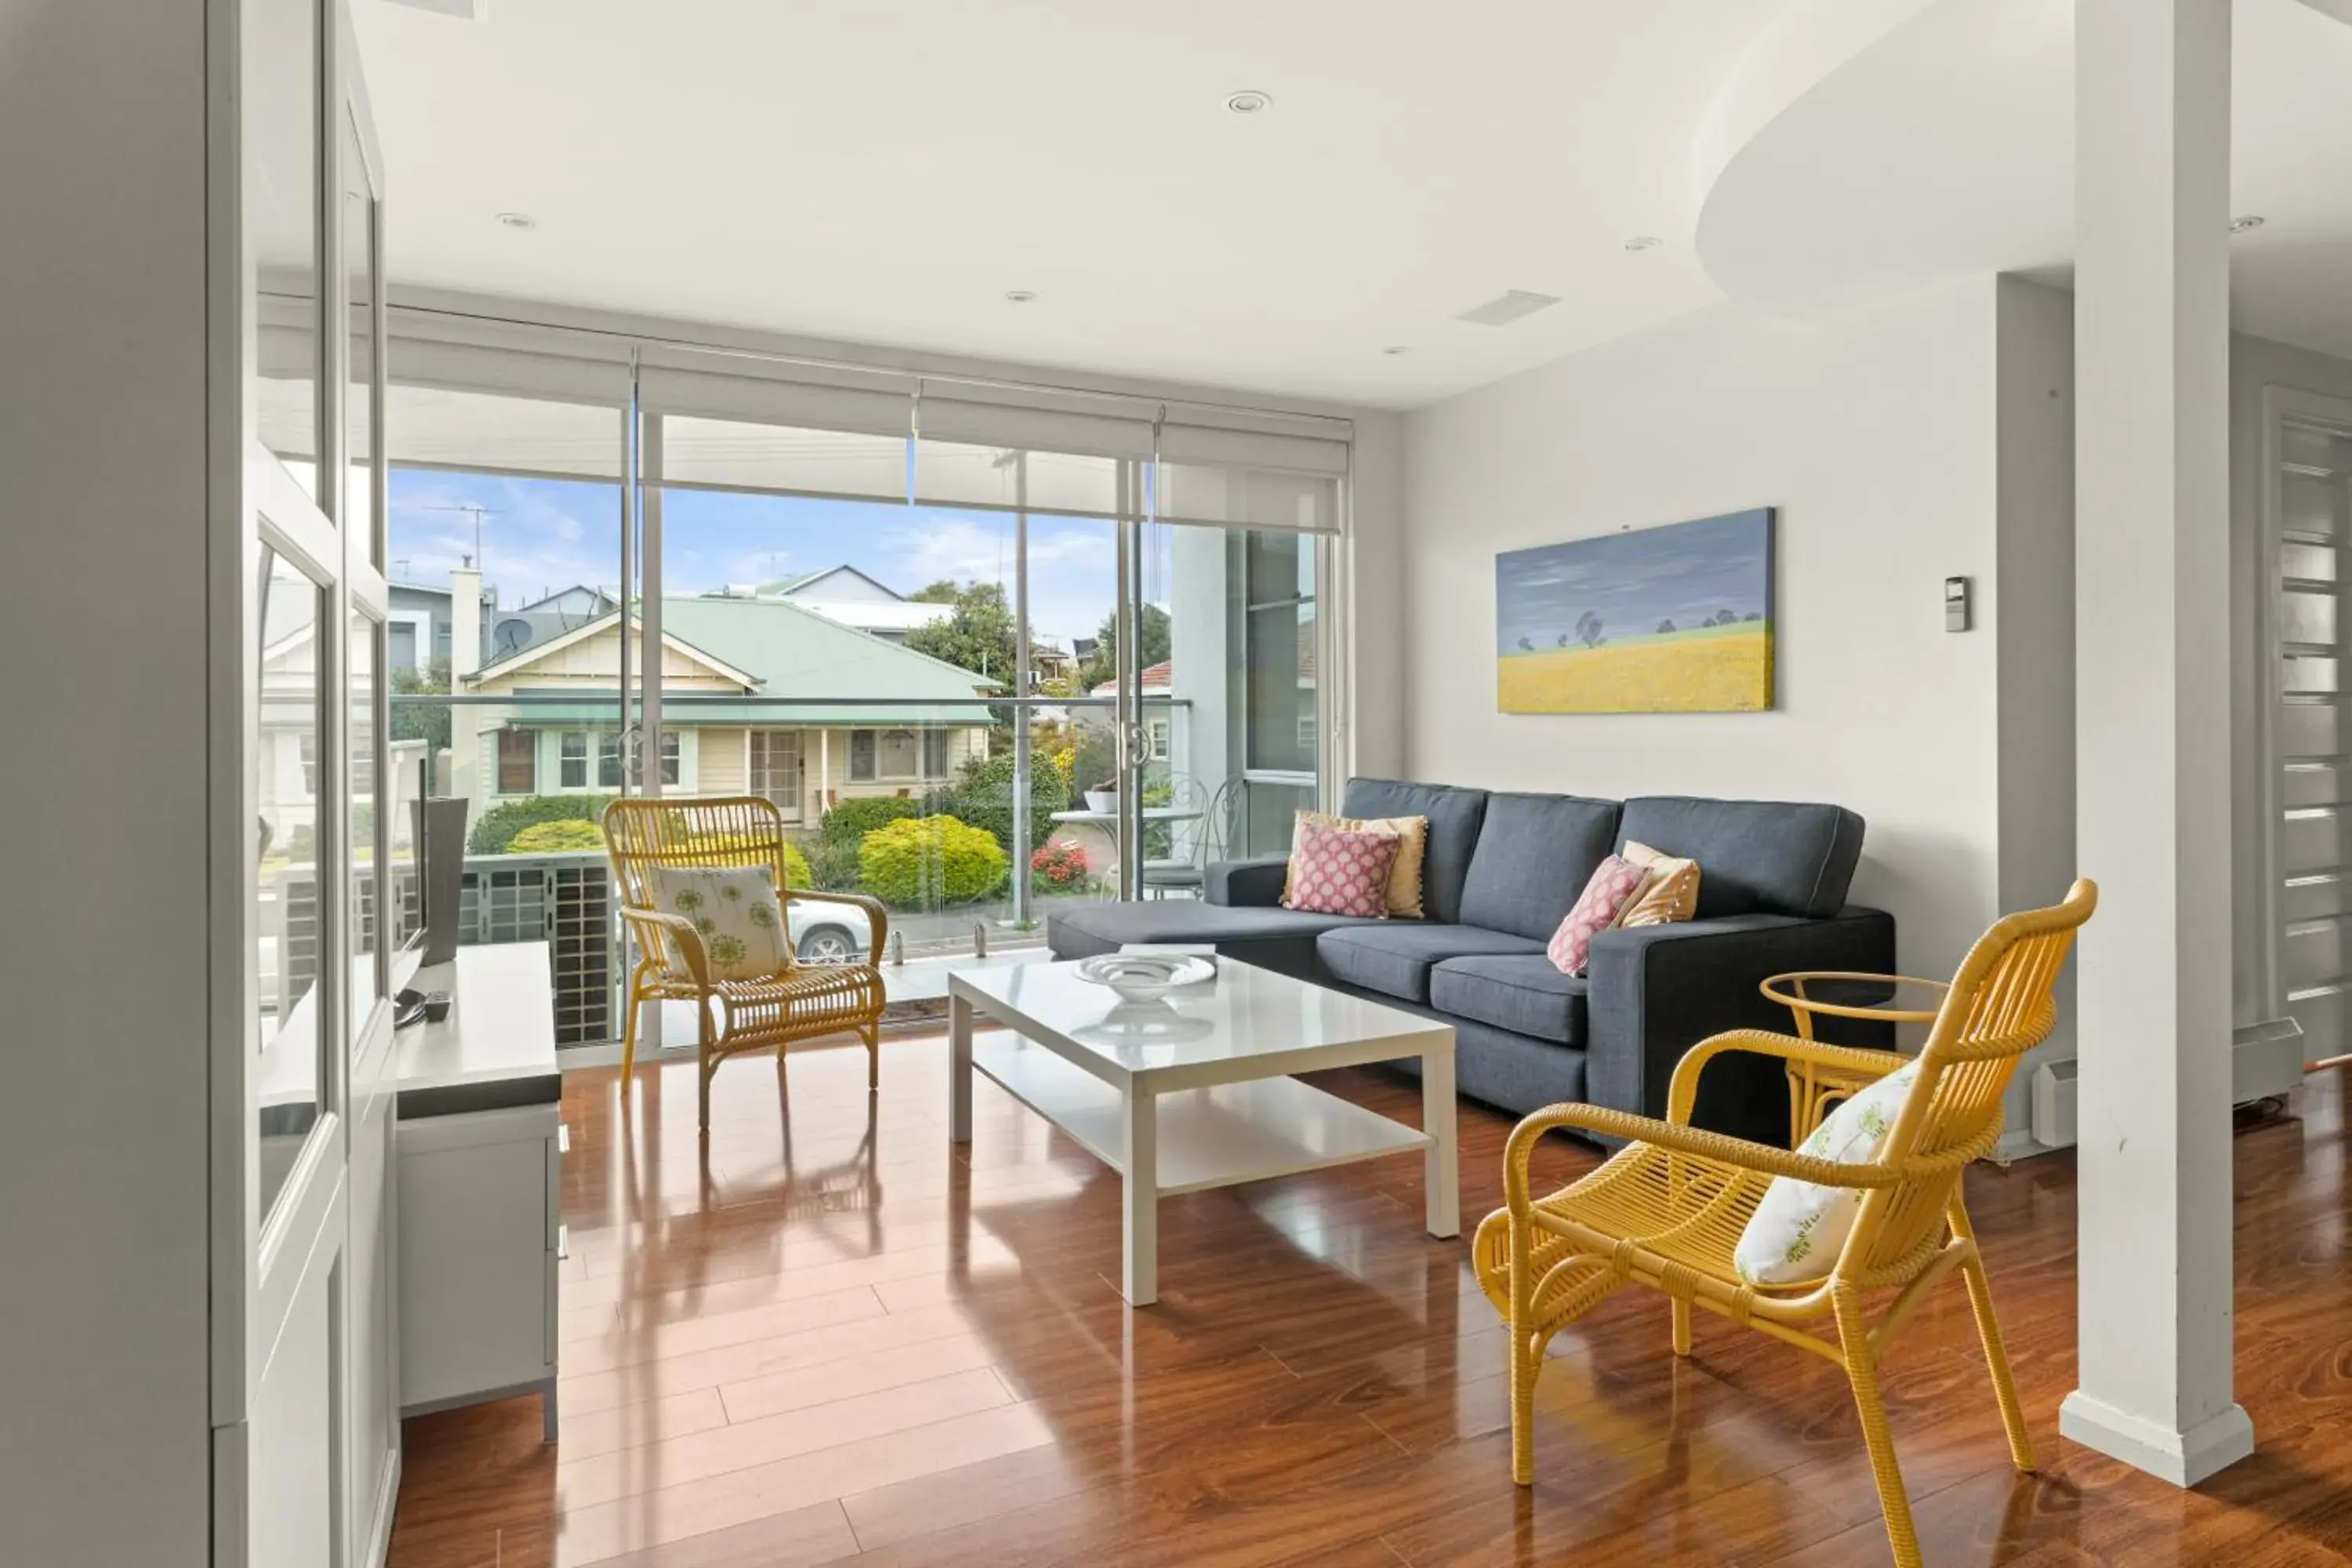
x,y
305,1397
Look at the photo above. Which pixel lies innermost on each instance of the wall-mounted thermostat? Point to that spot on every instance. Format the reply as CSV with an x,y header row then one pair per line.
x,y
1956,604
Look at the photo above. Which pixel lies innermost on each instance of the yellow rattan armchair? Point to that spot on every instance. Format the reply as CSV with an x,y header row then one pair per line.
x,y
1668,1209
800,1001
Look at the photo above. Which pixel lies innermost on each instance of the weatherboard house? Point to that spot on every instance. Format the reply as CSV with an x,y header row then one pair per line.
x,y
760,695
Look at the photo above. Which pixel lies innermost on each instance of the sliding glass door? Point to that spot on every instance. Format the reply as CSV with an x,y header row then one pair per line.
x,y
986,659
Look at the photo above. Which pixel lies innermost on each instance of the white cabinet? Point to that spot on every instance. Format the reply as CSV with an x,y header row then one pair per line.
x,y
479,1148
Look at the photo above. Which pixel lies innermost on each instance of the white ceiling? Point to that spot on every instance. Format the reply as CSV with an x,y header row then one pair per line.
x,y
883,171
1945,147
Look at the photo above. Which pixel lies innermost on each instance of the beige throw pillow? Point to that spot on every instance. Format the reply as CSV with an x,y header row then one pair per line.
x,y
736,910
1404,876
1671,894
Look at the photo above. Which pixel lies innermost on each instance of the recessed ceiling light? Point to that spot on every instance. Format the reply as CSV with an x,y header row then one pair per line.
x,y
518,220
1020,296
2248,223
1643,242
1249,101
1398,349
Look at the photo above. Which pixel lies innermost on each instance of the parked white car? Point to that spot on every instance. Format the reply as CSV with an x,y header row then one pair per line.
x,y
828,933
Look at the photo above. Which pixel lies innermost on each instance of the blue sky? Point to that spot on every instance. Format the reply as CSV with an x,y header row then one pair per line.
x,y
543,534
1684,573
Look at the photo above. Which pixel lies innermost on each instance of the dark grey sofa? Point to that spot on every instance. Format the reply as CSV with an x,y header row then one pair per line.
x,y
1501,872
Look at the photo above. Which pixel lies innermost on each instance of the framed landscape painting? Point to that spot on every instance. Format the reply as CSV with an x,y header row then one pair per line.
x,y
1676,619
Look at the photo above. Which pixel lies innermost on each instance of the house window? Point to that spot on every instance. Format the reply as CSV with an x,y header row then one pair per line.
x,y
861,756
935,753
669,766
1158,731
517,758
901,754
608,759
572,765
306,745
775,770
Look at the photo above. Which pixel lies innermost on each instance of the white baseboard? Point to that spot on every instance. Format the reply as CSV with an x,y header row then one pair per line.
x,y
2184,1458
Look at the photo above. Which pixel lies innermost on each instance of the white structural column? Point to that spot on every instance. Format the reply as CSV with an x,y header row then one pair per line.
x,y
2152,659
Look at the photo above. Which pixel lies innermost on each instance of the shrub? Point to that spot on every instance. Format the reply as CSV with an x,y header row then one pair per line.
x,y
833,865
851,820
1061,868
796,865
548,837
925,861
495,829
981,796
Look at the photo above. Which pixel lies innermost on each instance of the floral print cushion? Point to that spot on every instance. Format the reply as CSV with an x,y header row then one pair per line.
x,y
1799,1229
736,910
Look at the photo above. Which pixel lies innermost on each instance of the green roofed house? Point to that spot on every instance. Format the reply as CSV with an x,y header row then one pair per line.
x,y
754,691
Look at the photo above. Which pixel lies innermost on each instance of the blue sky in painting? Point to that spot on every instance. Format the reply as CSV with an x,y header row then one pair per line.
x,y
1684,572
539,535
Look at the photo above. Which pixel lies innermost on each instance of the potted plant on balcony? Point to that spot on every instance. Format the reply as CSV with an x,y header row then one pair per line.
x,y
1104,796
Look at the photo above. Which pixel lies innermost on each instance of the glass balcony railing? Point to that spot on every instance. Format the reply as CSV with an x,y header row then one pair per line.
x,y
946,854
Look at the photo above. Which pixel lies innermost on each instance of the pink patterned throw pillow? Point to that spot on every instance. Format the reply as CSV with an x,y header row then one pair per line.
x,y
1337,871
1613,887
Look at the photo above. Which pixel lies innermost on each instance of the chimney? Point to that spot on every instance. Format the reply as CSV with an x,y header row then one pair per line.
x,y
465,620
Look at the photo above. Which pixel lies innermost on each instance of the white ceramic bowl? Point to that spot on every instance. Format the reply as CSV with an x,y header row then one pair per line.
x,y
1144,976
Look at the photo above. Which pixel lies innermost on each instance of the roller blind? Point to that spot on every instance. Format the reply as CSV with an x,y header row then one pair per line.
x,y
745,421
530,438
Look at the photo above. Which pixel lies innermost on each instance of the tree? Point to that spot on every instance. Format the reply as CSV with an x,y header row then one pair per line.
x,y
1588,627
1154,632
942,592
426,722
976,633
1664,627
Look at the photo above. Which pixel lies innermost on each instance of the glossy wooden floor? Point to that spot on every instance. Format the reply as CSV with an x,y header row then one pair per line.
x,y
832,1339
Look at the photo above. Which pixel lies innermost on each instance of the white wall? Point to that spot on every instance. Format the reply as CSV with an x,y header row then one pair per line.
x,y
105,1416
2034,643
1874,435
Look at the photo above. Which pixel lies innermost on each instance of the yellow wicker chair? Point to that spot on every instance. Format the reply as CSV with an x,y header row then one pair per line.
x,y
1668,1209
798,1003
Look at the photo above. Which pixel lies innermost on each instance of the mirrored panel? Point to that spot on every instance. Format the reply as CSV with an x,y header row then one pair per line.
x,y
367,930
288,1034
281,84
359,220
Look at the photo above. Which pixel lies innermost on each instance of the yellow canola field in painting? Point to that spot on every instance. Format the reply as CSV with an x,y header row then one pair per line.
x,y
1708,670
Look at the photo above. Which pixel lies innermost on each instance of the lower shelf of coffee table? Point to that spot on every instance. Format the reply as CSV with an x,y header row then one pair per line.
x,y
1208,1136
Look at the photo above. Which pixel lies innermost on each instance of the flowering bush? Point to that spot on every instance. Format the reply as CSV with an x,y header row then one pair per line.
x,y
1061,868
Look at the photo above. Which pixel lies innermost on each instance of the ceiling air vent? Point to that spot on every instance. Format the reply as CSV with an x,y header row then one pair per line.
x,y
1505,309
463,10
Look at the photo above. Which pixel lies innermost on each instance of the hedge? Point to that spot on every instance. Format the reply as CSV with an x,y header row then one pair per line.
x,y
494,831
925,861
851,820
548,838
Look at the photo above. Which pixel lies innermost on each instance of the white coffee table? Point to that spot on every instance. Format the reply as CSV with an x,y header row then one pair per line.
x,y
1195,1091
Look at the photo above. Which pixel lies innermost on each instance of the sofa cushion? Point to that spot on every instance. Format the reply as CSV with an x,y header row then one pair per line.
x,y
1535,854
1453,817
1091,928
1395,958
1524,995
1780,857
